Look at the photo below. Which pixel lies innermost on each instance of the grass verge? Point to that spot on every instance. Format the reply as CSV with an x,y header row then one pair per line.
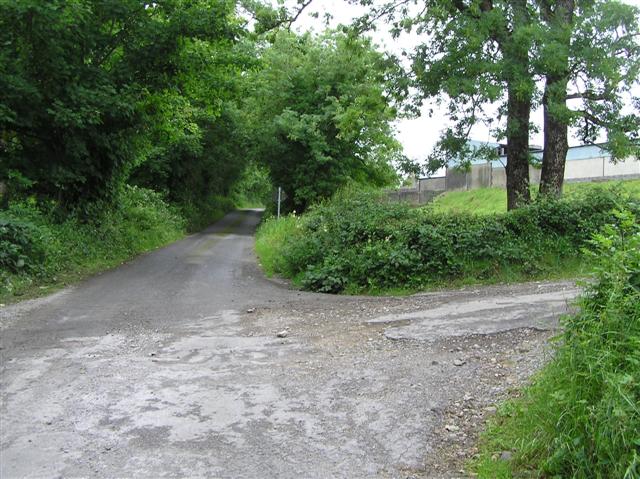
x,y
580,416
40,252
271,237
487,201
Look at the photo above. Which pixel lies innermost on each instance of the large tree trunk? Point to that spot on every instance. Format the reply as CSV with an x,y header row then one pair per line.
x,y
558,16
519,93
556,142
519,112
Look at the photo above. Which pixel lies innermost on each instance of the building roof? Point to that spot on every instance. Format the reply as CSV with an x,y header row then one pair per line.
x,y
574,153
580,152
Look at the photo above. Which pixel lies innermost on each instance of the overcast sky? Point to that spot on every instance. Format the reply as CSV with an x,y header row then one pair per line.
x,y
416,135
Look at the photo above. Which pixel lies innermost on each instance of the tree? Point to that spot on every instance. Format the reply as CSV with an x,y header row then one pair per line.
x,y
320,115
558,20
591,49
476,53
196,135
479,52
75,77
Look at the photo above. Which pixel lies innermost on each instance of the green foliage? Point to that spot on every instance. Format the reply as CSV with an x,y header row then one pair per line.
x,y
271,237
202,212
580,417
477,55
178,99
357,242
84,82
604,54
493,200
36,248
320,116
253,188
20,246
197,135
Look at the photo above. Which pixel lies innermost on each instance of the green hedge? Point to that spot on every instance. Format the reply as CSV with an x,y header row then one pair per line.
x,y
358,242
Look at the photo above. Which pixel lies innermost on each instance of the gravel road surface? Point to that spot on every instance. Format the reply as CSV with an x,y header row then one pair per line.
x,y
187,362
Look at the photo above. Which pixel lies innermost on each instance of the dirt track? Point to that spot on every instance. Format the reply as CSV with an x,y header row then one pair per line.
x,y
170,366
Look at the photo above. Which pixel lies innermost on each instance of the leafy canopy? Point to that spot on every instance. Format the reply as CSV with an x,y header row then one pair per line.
x,y
320,115
79,79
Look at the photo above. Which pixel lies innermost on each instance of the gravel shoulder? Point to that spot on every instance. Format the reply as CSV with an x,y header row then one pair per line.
x,y
187,362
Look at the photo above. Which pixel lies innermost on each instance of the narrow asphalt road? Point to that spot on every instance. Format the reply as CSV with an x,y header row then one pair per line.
x,y
170,366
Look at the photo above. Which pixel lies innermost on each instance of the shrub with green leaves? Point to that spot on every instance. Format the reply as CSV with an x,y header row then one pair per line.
x,y
20,248
358,242
580,417
36,246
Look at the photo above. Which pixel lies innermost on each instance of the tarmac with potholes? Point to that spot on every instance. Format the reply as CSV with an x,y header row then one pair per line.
x,y
187,362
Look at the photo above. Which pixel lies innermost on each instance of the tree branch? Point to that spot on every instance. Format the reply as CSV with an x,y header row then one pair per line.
x,y
588,96
367,20
592,118
301,8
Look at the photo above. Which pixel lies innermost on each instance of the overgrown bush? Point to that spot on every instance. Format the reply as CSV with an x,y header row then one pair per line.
x,y
359,242
36,246
581,415
20,246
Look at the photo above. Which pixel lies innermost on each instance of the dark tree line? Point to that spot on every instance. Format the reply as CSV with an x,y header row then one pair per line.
x,y
179,96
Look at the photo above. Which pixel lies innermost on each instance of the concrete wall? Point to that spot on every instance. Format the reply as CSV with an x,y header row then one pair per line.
x,y
484,175
600,168
577,170
433,184
409,196
404,195
534,175
412,196
589,168
479,176
628,167
499,177
456,179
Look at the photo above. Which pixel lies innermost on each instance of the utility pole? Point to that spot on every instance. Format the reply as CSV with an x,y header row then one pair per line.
x,y
279,199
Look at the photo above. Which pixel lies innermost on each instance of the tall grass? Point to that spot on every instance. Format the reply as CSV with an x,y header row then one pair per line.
x,y
580,417
38,250
271,237
494,200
